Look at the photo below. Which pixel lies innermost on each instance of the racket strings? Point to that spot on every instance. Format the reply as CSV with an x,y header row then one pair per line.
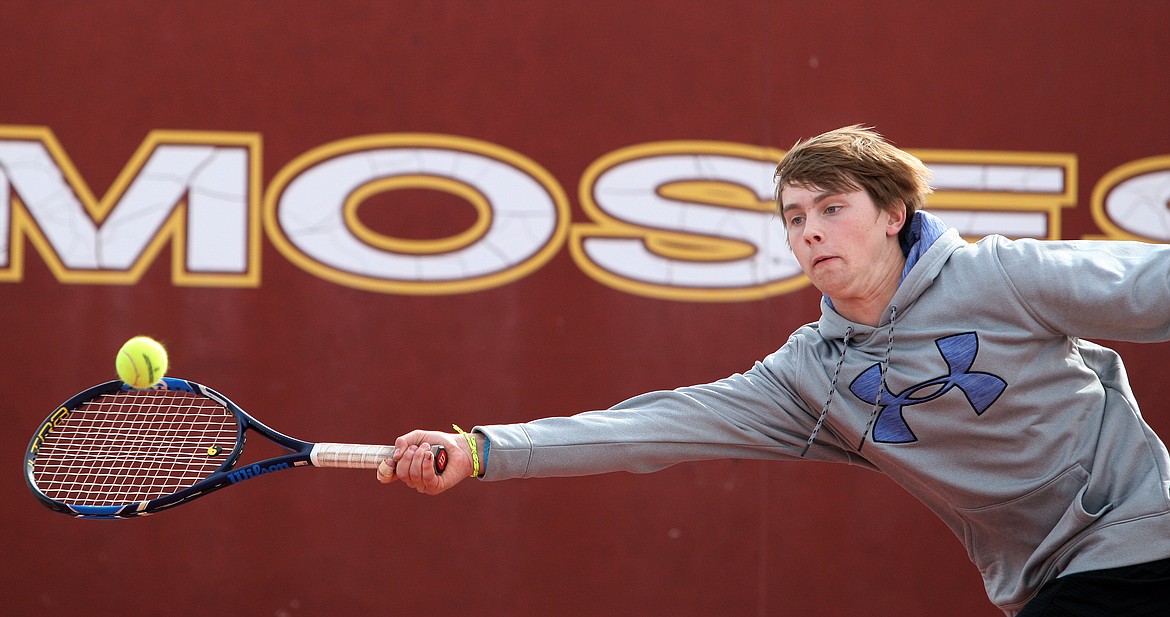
x,y
133,446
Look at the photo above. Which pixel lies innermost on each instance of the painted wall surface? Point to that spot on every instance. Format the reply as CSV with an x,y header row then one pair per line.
x,y
358,218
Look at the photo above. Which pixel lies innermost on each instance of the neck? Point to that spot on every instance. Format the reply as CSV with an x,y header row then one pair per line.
x,y
870,315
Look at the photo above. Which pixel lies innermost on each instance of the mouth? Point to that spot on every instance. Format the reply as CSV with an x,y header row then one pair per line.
x,y
820,260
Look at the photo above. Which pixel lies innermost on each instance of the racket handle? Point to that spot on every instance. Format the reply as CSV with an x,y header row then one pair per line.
x,y
361,456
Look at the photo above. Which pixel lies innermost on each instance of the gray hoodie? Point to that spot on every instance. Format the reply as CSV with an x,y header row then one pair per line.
x,y
976,394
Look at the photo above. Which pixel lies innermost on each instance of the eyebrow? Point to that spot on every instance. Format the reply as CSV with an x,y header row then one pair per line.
x,y
788,207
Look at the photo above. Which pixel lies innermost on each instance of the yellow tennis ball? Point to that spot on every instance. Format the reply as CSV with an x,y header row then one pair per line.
x,y
141,362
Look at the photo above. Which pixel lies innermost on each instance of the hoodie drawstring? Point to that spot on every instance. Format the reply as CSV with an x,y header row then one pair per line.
x,y
877,403
832,388
885,364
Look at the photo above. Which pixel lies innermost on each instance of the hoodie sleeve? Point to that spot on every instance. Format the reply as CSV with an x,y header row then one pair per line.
x,y
749,416
1092,289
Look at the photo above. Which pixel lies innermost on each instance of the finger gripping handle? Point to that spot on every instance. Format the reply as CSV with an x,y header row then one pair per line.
x,y
361,456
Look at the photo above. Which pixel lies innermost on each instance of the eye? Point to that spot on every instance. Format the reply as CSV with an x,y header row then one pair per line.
x,y
833,208
796,220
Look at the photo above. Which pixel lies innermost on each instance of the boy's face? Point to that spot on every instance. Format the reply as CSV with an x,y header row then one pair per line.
x,y
845,244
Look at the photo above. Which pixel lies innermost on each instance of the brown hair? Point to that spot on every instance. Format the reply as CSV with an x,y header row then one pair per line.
x,y
857,157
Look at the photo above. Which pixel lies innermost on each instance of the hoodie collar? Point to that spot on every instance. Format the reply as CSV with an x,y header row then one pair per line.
x,y
925,228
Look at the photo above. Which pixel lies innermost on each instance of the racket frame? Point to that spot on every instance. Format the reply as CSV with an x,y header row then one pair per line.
x,y
300,454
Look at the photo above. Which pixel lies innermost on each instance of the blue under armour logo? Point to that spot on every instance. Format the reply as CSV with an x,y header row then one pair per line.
x,y
959,350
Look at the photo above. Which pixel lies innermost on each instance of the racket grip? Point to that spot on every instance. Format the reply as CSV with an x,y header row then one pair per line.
x,y
362,456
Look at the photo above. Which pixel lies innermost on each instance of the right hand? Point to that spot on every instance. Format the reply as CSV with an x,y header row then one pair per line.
x,y
413,461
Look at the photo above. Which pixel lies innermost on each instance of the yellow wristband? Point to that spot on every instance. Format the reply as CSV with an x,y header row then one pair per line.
x,y
474,450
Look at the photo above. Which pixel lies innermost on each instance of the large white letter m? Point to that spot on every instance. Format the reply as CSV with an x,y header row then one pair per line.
x,y
199,190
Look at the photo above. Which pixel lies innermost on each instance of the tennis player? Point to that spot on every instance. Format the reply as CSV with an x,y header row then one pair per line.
x,y
959,370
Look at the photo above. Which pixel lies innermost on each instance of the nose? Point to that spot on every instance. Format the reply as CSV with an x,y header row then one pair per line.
x,y
812,233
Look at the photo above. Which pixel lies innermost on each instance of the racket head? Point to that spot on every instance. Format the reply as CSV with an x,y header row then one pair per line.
x,y
112,451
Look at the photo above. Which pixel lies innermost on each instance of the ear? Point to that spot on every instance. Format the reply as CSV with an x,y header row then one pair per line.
x,y
896,218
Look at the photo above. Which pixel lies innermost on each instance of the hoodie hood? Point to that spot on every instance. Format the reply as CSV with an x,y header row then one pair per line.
x,y
925,228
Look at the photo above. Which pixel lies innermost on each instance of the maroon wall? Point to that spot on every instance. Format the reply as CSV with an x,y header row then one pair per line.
x,y
562,92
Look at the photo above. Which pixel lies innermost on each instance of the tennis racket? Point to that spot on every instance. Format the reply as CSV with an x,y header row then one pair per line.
x,y
116,452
